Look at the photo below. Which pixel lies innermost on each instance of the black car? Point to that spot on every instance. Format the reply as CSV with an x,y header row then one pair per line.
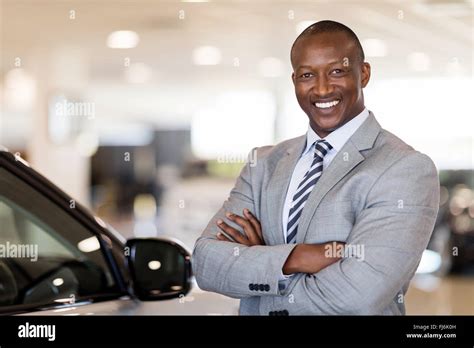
x,y
57,258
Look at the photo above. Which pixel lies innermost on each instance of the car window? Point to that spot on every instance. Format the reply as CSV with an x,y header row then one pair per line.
x,y
46,255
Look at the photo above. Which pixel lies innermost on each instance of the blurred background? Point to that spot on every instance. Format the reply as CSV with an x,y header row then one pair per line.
x,y
137,108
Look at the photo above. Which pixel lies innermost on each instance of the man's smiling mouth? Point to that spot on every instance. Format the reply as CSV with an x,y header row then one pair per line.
x,y
327,105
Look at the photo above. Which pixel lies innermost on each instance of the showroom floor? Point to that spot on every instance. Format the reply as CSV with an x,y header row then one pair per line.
x,y
447,295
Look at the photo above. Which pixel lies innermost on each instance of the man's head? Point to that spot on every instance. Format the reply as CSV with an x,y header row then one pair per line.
x,y
329,73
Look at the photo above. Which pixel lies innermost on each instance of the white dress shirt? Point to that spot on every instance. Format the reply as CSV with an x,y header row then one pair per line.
x,y
337,139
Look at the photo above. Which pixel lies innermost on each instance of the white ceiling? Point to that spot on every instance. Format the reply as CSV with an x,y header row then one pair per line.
x,y
248,30
40,31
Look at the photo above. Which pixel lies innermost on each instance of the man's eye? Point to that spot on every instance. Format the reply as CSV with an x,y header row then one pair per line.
x,y
337,71
306,75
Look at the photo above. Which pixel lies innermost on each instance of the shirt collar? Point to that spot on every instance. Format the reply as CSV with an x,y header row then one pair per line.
x,y
339,137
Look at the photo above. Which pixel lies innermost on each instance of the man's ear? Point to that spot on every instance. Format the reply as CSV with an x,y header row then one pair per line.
x,y
293,77
365,74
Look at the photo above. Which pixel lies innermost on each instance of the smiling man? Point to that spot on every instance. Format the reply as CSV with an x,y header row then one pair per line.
x,y
334,221
329,74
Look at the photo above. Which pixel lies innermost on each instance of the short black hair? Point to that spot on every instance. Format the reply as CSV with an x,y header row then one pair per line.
x,y
328,26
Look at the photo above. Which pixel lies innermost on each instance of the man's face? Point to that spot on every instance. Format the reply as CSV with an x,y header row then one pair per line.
x,y
328,78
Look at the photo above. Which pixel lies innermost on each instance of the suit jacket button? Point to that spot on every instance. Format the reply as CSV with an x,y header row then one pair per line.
x,y
251,287
261,287
267,287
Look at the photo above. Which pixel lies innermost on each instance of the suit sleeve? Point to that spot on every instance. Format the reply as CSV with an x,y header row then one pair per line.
x,y
233,269
393,228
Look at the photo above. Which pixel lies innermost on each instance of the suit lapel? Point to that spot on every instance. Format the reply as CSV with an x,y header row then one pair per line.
x,y
346,159
278,186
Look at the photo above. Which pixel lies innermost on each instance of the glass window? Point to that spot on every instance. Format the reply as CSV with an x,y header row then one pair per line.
x,y
46,255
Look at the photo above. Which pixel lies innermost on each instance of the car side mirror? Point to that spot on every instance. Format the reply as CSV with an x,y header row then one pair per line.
x,y
160,269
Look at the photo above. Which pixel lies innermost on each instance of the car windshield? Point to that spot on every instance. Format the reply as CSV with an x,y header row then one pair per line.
x,y
47,256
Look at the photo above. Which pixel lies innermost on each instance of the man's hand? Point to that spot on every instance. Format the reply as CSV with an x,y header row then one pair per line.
x,y
305,258
250,225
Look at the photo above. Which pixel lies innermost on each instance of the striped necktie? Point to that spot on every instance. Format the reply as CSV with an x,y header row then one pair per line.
x,y
321,148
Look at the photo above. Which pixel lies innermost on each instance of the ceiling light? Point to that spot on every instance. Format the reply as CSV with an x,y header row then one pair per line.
x,y
58,281
123,39
89,244
207,55
154,265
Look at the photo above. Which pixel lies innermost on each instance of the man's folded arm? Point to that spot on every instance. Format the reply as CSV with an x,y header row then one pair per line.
x,y
393,230
234,269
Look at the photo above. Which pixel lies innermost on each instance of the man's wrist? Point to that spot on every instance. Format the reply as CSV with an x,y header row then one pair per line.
x,y
292,264
309,258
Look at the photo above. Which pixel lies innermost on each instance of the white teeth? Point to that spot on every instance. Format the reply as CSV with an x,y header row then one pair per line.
x,y
326,105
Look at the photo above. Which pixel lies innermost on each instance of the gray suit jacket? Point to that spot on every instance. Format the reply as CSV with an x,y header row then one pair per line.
x,y
378,193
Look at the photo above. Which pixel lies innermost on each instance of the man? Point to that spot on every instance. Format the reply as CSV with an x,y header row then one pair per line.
x,y
280,241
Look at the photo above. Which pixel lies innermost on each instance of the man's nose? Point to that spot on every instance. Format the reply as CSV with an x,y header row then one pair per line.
x,y
322,87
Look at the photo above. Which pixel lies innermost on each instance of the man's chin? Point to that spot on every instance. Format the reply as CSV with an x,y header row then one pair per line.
x,y
325,127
